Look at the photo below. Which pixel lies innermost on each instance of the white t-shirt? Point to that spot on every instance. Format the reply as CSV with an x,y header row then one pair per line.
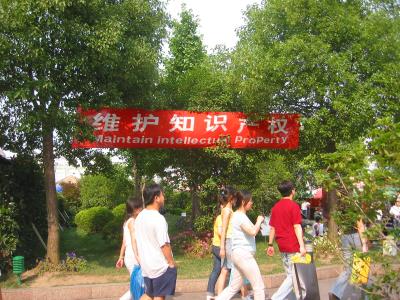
x,y
305,205
395,211
130,257
151,231
240,239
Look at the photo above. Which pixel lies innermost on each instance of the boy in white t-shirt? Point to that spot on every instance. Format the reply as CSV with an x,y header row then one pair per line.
x,y
155,254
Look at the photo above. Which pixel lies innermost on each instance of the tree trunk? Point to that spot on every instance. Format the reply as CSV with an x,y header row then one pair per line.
x,y
53,239
331,208
137,178
195,202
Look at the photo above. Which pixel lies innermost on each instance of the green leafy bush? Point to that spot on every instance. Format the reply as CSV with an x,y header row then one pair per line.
x,y
119,212
101,190
71,194
204,223
93,220
22,201
8,234
112,231
71,263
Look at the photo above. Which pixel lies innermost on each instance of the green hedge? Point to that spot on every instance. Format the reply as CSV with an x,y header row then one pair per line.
x,y
93,220
112,231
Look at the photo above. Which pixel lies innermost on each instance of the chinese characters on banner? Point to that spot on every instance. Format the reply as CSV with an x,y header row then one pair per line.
x,y
138,128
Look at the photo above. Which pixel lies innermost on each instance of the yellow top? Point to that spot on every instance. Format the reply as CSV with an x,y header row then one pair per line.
x,y
217,238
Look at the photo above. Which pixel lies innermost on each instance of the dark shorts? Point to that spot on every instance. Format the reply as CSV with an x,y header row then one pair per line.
x,y
163,285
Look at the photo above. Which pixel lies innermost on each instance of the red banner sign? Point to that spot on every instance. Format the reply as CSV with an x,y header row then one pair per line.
x,y
138,128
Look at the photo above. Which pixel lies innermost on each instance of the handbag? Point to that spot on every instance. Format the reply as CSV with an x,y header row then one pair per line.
x,y
360,269
137,283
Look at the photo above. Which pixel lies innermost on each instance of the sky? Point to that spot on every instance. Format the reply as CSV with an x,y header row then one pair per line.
x,y
218,19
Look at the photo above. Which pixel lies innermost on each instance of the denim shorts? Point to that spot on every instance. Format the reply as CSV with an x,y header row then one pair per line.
x,y
163,285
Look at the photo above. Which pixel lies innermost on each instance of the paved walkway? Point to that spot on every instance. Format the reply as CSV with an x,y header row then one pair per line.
x,y
191,289
324,287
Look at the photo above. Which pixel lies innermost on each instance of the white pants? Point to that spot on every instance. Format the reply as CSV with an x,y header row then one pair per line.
x,y
129,264
245,267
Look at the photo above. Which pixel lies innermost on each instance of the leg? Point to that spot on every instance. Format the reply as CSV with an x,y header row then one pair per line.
x,y
247,265
215,272
285,291
233,287
129,265
222,280
349,242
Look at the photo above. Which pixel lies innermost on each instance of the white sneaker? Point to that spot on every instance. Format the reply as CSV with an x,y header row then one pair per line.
x,y
210,297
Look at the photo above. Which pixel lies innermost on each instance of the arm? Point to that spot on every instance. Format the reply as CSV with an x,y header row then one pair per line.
x,y
167,251
270,250
131,228
299,235
225,220
120,261
361,230
252,229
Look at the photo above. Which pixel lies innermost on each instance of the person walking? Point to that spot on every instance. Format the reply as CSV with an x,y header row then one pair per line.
x,y
286,229
227,199
395,212
352,239
216,243
129,253
154,249
244,249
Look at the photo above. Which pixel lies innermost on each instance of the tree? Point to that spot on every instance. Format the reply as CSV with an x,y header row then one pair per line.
x,y
332,61
61,54
362,174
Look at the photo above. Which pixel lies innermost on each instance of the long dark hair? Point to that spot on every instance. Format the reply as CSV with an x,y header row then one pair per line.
x,y
227,193
132,204
242,198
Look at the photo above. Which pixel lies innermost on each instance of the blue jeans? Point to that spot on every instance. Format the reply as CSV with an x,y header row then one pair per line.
x,y
286,290
350,242
212,280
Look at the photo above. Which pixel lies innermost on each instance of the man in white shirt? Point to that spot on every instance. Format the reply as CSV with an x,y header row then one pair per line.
x,y
395,211
305,208
155,254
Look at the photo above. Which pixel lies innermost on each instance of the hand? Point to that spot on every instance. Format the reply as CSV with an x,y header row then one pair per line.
x,y
364,248
172,265
222,253
260,219
120,263
302,251
270,251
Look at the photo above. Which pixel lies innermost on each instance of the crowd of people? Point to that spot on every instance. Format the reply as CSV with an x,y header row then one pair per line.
x,y
146,246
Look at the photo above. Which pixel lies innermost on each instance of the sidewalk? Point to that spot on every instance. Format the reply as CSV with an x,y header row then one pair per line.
x,y
115,290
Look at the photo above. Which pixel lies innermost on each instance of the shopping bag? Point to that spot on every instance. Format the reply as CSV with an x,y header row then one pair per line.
x,y
360,269
305,281
137,283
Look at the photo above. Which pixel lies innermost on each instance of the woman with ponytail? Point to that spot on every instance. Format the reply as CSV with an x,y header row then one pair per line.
x,y
129,253
227,200
244,249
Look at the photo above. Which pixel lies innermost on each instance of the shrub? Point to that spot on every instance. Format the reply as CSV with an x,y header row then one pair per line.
x,y
94,219
21,186
192,245
71,263
119,212
105,189
96,190
8,235
71,194
112,231
204,223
